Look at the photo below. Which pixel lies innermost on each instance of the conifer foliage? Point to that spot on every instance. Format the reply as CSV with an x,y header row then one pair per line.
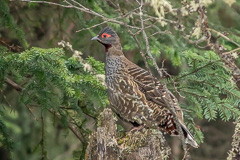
x,y
61,89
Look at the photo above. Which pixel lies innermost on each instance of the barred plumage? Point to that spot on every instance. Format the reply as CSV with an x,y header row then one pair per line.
x,y
134,94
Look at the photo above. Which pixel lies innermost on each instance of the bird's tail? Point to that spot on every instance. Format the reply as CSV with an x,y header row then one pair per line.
x,y
189,139
171,128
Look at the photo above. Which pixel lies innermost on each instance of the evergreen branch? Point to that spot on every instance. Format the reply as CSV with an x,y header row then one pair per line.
x,y
191,93
225,115
236,111
213,85
6,140
198,69
213,113
20,88
220,76
214,45
8,22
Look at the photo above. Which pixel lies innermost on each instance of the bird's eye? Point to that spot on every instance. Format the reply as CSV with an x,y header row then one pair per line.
x,y
104,35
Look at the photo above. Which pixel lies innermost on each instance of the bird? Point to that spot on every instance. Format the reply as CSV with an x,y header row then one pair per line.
x,y
135,95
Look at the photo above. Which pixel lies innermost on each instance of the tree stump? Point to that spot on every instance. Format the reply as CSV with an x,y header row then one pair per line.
x,y
105,144
234,153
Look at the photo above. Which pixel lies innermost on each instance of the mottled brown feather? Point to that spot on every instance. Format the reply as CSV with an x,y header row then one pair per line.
x,y
135,95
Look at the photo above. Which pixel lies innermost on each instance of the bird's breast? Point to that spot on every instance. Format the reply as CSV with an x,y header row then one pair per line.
x,y
114,68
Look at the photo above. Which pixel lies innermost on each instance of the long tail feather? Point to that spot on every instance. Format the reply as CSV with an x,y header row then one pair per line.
x,y
170,127
189,138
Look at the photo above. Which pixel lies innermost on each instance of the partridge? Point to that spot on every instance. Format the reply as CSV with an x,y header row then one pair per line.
x,y
134,95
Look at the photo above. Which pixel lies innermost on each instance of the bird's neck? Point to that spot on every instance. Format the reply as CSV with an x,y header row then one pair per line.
x,y
114,50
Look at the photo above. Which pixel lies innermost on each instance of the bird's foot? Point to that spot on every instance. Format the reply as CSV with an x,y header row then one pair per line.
x,y
138,128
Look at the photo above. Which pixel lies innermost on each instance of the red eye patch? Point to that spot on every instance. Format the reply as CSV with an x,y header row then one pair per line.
x,y
104,35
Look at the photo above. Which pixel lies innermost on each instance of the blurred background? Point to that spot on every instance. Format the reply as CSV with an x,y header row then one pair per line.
x,y
44,25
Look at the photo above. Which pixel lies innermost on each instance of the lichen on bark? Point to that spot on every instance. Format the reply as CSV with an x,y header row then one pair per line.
x,y
140,145
234,153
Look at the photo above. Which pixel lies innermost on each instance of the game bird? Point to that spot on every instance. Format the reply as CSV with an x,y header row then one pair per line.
x,y
134,95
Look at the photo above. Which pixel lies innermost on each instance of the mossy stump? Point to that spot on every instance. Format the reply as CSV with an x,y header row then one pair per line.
x,y
234,153
105,144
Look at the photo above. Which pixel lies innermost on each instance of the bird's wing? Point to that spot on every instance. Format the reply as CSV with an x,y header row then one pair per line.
x,y
155,94
127,100
153,90
159,102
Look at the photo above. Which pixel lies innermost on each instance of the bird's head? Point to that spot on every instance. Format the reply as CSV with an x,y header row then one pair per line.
x,y
107,37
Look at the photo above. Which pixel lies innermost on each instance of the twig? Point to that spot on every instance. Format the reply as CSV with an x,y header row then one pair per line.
x,y
46,2
136,40
5,98
14,85
81,8
185,154
92,26
147,42
160,32
125,15
196,42
18,88
42,140
231,51
157,18
70,126
106,21
173,82
76,133
223,36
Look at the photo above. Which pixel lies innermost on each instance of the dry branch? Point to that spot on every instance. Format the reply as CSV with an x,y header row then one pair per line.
x,y
82,8
13,84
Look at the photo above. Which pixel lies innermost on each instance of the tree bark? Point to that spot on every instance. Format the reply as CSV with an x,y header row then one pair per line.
x,y
106,144
234,153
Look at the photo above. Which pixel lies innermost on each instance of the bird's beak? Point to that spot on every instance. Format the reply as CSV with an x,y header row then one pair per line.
x,y
95,38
